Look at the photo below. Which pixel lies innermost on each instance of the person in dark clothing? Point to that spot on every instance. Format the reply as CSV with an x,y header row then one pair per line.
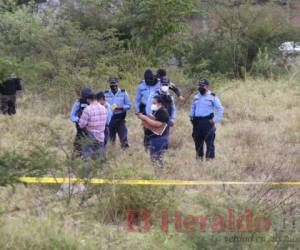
x,y
8,91
75,115
158,125
167,100
143,91
162,73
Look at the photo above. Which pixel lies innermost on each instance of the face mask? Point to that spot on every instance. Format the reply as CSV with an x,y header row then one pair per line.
x,y
164,88
114,88
202,90
154,107
151,81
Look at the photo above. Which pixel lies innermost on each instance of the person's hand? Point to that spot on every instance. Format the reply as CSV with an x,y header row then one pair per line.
x,y
181,98
211,121
140,116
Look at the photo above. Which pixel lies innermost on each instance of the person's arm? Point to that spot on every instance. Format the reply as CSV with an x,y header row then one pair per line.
x,y
193,109
127,103
73,113
150,122
175,89
83,121
219,110
19,85
109,113
137,99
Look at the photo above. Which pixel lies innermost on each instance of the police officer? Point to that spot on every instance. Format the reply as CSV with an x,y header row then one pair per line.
x,y
206,111
75,115
143,91
162,73
167,100
8,91
120,104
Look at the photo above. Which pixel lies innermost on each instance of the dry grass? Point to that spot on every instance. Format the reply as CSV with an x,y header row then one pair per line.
x,y
257,140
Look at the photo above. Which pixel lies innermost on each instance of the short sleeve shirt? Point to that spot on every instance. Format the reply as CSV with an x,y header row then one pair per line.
x,y
161,115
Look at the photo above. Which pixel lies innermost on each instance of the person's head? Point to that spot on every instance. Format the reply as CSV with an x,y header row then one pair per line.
x,y
161,73
164,84
156,103
90,98
113,82
100,97
85,92
150,78
203,86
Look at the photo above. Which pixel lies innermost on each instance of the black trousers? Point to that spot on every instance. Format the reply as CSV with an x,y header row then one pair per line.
x,y
8,104
118,126
147,136
79,139
204,132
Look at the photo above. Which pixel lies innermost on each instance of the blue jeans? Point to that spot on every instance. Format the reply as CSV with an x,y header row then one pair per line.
x,y
94,150
158,145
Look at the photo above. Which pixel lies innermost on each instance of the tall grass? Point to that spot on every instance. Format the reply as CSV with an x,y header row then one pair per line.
x,y
257,140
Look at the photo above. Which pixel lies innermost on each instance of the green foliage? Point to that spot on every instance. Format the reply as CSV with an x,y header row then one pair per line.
x,y
154,25
239,34
13,166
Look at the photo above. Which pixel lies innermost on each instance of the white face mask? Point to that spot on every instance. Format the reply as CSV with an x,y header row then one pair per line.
x,y
164,88
154,107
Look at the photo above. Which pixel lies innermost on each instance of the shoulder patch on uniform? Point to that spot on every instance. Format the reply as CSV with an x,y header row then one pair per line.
x,y
213,94
123,90
106,91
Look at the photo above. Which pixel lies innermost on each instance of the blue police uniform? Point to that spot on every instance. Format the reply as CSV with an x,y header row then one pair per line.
x,y
75,114
143,92
206,110
117,124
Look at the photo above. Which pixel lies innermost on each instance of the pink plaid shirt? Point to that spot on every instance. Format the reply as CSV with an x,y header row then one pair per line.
x,y
93,119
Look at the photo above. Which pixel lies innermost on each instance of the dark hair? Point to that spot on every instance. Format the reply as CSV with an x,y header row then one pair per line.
x,y
161,73
100,95
158,99
91,96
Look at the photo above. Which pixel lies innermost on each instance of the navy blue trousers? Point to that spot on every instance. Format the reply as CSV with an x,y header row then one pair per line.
x,y
158,145
118,127
204,132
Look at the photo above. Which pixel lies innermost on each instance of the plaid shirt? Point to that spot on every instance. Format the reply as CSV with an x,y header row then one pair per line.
x,y
93,119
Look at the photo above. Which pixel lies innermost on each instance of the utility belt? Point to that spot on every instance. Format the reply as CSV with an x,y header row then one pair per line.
x,y
120,116
196,119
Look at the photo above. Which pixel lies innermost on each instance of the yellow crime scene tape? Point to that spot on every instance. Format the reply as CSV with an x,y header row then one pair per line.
x,y
95,181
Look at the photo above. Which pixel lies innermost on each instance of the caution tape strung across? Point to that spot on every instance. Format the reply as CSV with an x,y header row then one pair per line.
x,y
95,181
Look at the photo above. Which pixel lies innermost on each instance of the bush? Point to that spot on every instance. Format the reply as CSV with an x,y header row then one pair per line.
x,y
236,37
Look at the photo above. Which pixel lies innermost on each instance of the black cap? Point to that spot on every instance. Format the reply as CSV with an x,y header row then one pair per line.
x,y
86,92
148,75
113,80
203,81
100,95
161,73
